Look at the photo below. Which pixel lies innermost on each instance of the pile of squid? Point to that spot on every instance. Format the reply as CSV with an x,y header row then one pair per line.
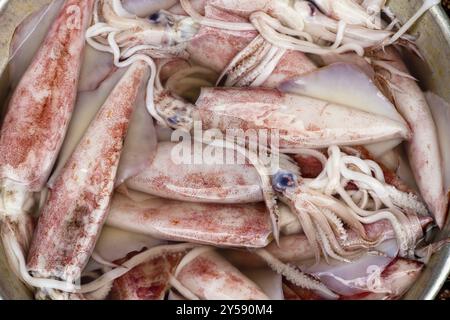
x,y
94,205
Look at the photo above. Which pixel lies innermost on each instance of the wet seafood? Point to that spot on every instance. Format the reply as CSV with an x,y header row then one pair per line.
x,y
218,149
37,119
84,187
423,149
229,225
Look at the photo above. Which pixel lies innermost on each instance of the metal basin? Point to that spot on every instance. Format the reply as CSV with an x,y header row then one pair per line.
x,y
433,31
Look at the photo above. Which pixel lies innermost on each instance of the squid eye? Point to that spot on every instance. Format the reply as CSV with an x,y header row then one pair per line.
x,y
283,180
154,17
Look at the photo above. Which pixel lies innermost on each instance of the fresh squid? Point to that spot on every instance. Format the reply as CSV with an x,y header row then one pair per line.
x,y
197,274
37,119
304,196
148,281
77,205
295,25
303,122
208,276
150,198
349,84
296,247
392,283
423,149
196,183
242,57
220,225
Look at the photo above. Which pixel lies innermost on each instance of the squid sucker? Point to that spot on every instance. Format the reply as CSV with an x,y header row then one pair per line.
x,y
220,149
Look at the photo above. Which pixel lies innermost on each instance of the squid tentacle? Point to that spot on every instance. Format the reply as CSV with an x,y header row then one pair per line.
x,y
294,275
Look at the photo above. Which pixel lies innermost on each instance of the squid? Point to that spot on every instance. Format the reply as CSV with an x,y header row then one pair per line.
x,y
185,273
243,57
223,282
37,120
220,225
295,25
143,188
305,196
76,207
423,149
161,270
295,248
196,183
148,281
393,282
302,122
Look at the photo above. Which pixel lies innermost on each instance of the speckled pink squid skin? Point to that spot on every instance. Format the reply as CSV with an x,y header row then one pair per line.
x,y
236,225
209,183
147,281
76,208
215,48
42,105
210,277
302,122
291,65
423,148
